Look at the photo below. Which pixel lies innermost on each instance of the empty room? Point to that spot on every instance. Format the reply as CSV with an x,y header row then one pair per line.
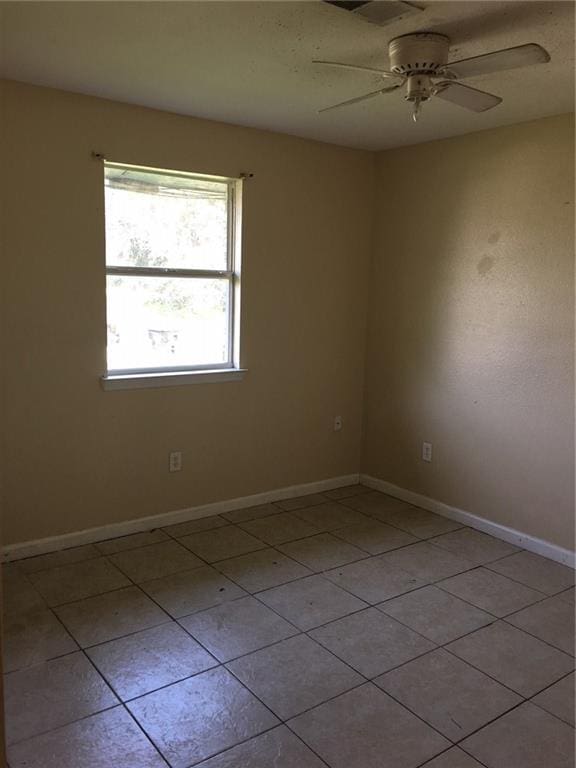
x,y
287,424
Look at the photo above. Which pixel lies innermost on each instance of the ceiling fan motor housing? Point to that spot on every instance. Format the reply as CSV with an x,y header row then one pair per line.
x,y
422,53
419,57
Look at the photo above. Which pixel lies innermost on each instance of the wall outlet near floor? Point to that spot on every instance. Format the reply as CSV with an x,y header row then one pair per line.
x,y
175,461
426,451
337,423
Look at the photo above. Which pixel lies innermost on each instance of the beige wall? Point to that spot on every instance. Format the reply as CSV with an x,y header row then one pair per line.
x,y
470,339
78,456
471,333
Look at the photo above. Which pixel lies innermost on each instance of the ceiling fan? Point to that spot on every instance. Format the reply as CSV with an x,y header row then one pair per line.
x,y
419,61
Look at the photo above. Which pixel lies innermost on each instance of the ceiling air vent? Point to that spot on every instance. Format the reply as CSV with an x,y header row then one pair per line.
x,y
376,11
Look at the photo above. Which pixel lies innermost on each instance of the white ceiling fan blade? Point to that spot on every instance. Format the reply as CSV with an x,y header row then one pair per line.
x,y
380,12
381,72
497,61
464,96
366,96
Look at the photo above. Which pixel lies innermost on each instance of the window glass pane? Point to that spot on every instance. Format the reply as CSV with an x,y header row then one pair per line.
x,y
159,322
163,220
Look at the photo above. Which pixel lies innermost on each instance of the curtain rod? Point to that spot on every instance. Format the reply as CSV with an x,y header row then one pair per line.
x,y
101,156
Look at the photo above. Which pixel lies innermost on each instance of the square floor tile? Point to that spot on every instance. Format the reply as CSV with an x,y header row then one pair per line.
x,y
52,694
490,591
427,562
299,502
346,491
309,602
32,637
262,570
516,659
366,728
294,675
106,617
191,591
375,503
155,561
453,758
195,526
149,660
475,546
199,717
135,540
371,642
447,693
18,594
527,737
56,559
251,513
568,596
278,529
535,571
329,516
109,739
373,580
221,543
552,620
559,699
419,522
68,583
321,552
236,628
435,614
278,748
375,537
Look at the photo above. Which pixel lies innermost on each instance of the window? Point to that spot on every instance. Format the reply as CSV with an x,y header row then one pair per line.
x,y
172,271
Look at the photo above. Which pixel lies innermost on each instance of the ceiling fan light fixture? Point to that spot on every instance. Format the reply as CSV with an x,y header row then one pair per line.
x,y
420,61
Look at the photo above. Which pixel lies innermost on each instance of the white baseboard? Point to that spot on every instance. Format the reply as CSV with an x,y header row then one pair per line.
x,y
511,535
19,551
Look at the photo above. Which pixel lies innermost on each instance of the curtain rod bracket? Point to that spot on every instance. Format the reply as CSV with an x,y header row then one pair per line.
x,y
246,175
98,155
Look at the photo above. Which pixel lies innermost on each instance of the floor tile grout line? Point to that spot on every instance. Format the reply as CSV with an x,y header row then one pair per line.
x,y
107,557
371,683
531,634
468,735
51,567
522,583
146,735
507,615
529,605
340,502
176,619
367,607
486,674
172,619
298,632
11,744
437,644
120,702
551,685
279,724
444,752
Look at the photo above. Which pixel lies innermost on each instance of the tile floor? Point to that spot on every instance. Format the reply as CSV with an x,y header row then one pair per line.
x,y
345,629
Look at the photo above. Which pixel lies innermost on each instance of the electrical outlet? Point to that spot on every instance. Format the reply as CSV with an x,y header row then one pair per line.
x,y
426,451
175,461
337,423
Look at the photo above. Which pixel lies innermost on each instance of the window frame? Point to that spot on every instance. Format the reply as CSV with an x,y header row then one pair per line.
x,y
151,376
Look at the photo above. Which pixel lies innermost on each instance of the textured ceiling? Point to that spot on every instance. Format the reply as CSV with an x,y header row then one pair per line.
x,y
249,63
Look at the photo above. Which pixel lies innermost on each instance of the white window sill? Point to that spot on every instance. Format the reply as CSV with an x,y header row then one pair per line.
x,y
170,379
